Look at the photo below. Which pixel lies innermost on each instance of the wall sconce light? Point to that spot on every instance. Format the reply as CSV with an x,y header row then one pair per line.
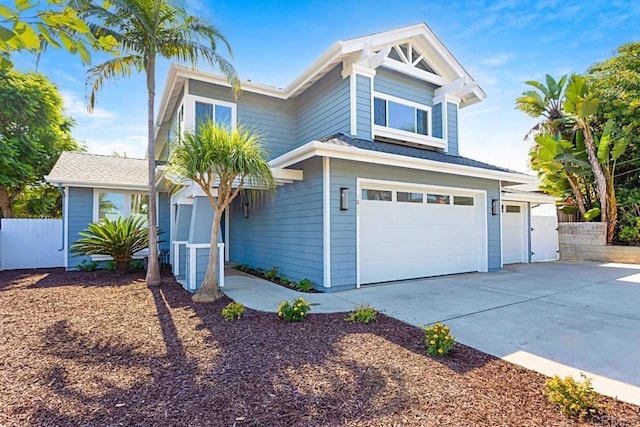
x,y
495,206
344,199
245,209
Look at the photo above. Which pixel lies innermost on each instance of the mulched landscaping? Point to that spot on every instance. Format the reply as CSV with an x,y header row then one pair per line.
x,y
282,281
99,349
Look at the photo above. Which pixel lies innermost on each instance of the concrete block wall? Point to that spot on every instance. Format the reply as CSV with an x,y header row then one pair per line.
x,y
587,241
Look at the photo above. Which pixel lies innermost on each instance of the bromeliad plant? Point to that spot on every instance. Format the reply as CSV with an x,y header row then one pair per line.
x,y
233,311
363,314
119,239
438,339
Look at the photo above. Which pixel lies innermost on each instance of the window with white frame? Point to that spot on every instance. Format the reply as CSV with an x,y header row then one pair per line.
x,y
219,112
113,204
404,116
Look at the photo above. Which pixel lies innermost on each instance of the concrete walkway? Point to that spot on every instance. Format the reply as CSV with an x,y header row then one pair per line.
x,y
556,318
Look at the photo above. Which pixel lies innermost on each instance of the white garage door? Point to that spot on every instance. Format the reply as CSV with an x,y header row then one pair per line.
x,y
515,246
408,234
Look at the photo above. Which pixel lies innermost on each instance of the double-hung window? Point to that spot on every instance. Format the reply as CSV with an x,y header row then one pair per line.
x,y
403,120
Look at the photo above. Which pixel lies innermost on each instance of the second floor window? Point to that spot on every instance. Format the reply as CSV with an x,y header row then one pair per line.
x,y
221,114
400,116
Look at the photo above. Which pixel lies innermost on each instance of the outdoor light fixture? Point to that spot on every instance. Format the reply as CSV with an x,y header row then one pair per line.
x,y
344,200
495,206
245,209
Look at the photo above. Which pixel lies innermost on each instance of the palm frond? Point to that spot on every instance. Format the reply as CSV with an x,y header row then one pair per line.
x,y
113,68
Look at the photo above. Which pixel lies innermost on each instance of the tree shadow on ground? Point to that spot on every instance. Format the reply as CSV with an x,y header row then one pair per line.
x,y
259,371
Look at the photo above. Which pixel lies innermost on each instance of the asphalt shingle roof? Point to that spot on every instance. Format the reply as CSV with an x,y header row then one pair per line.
x,y
405,150
96,169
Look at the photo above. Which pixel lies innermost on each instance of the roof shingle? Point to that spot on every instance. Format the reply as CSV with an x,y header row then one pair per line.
x,y
99,170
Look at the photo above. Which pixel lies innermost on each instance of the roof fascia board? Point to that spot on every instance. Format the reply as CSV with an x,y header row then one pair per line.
x,y
317,148
531,197
85,184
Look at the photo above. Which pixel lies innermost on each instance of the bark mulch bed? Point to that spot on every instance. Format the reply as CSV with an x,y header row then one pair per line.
x,y
278,280
98,349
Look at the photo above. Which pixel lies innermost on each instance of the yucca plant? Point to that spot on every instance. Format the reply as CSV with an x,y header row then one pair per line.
x,y
119,239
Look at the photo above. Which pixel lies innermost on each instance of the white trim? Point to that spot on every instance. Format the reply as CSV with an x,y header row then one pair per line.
x,y
480,204
198,245
221,251
528,197
227,218
190,120
402,135
403,101
65,227
501,233
90,184
412,71
317,148
353,105
192,266
326,220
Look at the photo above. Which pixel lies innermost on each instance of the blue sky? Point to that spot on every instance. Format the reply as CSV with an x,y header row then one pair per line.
x,y
501,43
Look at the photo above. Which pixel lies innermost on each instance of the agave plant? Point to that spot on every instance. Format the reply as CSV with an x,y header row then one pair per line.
x,y
119,239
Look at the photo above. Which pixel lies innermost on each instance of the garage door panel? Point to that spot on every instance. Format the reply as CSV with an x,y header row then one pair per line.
x,y
408,240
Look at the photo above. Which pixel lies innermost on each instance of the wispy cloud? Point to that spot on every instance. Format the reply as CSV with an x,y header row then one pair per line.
x,y
75,106
497,59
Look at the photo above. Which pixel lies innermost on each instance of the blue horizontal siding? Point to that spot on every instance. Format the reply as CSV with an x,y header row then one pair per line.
x,y
363,107
285,231
324,108
436,126
272,118
452,128
344,173
405,87
79,216
164,220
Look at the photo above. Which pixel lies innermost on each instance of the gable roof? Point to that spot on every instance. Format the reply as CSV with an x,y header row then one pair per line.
x,y
438,57
93,170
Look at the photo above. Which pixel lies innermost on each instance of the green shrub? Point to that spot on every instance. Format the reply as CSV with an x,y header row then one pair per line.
x,y
438,339
87,265
119,239
363,314
110,265
136,264
628,215
284,281
233,311
575,398
271,274
294,311
304,285
244,268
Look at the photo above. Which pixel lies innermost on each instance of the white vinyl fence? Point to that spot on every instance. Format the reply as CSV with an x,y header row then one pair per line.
x,y
544,238
31,243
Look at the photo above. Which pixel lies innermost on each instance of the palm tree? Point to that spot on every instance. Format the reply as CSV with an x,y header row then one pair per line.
x,y
547,102
146,30
232,159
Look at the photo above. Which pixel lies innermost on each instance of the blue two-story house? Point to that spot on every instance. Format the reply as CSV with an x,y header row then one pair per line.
x,y
364,147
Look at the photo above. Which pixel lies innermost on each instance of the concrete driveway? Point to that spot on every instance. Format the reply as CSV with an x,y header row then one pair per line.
x,y
556,318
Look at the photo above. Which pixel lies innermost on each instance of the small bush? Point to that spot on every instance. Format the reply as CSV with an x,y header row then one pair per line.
x,y
110,265
136,264
294,311
438,339
87,266
271,274
244,268
304,285
363,314
284,281
233,311
575,398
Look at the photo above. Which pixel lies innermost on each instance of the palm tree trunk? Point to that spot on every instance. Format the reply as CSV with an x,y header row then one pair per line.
x,y
577,193
598,173
153,267
210,289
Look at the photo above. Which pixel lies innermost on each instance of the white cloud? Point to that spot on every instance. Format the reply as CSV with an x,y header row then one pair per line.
x,y
75,106
131,146
497,59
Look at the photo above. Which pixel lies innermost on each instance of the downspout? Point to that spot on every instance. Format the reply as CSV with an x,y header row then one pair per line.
x,y
61,190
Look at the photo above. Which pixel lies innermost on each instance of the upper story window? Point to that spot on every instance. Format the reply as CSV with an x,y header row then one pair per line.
x,y
403,120
219,112
115,204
